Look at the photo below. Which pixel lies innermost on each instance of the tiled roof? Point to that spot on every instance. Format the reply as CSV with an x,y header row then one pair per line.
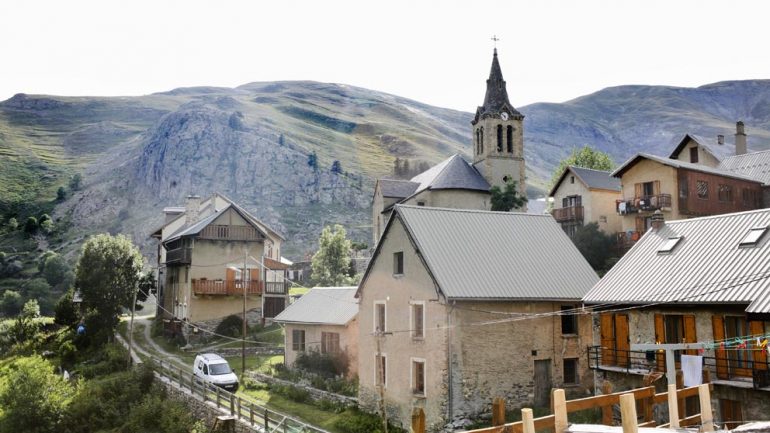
x,y
707,266
323,306
397,188
755,165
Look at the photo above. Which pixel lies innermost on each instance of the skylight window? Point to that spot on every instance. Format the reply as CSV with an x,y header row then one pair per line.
x,y
753,236
669,245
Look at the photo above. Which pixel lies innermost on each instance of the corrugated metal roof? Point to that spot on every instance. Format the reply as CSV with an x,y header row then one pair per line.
x,y
707,266
397,188
198,226
755,165
596,178
679,164
476,254
718,151
452,173
323,306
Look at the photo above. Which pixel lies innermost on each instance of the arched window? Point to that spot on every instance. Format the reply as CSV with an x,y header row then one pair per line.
x,y
509,139
478,144
499,138
481,141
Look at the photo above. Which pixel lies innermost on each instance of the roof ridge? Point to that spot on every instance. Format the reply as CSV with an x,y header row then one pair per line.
x,y
747,154
434,208
720,216
592,169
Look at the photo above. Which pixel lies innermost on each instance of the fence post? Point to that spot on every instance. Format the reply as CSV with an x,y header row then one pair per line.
x,y
267,421
607,410
418,420
251,414
217,397
680,385
498,411
628,413
232,404
706,417
559,411
528,421
673,407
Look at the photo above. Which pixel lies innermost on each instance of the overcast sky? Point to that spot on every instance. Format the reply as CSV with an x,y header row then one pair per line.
x,y
437,52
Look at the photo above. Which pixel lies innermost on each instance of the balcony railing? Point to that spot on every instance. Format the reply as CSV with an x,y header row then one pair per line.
x,y
226,287
736,365
643,204
571,213
277,287
180,255
231,233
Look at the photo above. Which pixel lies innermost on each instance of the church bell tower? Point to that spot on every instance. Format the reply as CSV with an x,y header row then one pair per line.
x,y
498,135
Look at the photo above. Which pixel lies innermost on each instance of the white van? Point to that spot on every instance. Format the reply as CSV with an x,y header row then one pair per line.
x,y
212,368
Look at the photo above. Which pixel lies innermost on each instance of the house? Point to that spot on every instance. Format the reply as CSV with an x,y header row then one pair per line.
x,y
322,320
582,195
498,157
460,306
680,190
694,280
214,256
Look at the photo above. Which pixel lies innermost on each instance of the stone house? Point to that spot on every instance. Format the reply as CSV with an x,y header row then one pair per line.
x,y
210,252
460,306
582,195
322,320
699,280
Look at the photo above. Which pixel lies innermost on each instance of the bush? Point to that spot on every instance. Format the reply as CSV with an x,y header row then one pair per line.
x,y
357,421
291,392
67,353
230,326
11,303
323,364
30,226
111,359
65,313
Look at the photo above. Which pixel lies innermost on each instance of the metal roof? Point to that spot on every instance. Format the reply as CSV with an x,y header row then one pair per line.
x,y
476,254
397,188
593,179
706,266
678,164
718,151
452,173
755,165
322,306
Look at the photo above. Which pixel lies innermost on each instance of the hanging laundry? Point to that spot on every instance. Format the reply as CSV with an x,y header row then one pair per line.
x,y
692,370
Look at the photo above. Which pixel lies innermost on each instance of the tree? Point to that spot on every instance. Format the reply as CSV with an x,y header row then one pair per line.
x,y
26,325
11,303
506,199
75,181
331,262
61,193
147,284
33,397
65,312
336,167
107,274
55,269
30,226
596,246
586,157
312,160
13,224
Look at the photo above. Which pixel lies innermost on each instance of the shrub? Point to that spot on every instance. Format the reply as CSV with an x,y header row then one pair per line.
x,y
323,364
30,226
11,303
356,421
111,359
65,313
67,353
292,393
61,193
230,326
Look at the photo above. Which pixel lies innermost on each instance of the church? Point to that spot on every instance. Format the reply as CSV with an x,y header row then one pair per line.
x,y
498,157
459,304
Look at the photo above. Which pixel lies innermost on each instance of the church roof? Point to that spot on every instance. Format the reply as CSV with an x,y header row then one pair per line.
x,y
452,173
394,188
496,97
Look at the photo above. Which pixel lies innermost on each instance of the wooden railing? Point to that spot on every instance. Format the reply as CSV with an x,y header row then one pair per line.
x,y
226,287
179,255
572,213
277,287
643,203
231,233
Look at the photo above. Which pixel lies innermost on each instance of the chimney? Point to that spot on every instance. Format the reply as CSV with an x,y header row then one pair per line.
x,y
720,139
192,206
740,139
657,220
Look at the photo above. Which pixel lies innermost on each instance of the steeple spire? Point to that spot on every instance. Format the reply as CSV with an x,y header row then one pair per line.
x,y
496,97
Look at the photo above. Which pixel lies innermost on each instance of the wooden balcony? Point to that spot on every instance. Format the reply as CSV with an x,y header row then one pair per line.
x,y
226,287
231,233
276,287
181,256
645,203
568,214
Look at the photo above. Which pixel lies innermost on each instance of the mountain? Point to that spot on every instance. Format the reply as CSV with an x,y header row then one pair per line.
x,y
254,143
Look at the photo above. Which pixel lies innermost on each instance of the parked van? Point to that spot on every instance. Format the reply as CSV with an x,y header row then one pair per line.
x,y
212,368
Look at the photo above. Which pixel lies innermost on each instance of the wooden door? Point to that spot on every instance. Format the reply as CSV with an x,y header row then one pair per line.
x,y
273,306
607,329
718,325
732,415
543,383
622,342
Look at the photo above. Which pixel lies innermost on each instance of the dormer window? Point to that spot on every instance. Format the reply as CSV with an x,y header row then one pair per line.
x,y
669,245
753,237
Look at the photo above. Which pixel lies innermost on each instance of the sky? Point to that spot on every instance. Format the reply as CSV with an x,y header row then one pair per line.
x,y
437,52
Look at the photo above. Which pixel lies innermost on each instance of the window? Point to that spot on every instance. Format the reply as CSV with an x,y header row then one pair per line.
x,y
571,371
418,376
702,189
420,203
684,189
478,147
694,155
725,193
568,319
418,320
669,245
572,179
499,138
509,139
481,141
739,361
398,263
648,189
381,370
674,328
753,237
379,317
330,342
751,198
298,340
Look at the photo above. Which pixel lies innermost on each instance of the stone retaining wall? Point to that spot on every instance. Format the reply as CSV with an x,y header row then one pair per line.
x,y
315,393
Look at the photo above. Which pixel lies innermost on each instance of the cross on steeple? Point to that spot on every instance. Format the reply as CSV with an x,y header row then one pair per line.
x,y
494,38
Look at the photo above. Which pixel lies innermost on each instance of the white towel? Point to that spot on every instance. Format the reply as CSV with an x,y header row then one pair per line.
x,y
692,370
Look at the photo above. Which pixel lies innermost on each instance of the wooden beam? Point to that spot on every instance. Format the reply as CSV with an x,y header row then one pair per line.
x,y
628,413
706,416
673,408
527,421
559,411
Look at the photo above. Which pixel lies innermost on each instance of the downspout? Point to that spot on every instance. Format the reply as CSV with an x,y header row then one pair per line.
x,y
450,409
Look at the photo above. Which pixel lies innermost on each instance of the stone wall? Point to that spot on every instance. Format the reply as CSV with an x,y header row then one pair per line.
x,y
315,393
205,411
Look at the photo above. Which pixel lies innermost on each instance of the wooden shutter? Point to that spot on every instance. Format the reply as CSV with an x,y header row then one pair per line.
x,y
757,328
656,187
638,190
607,339
230,274
660,337
718,325
621,339
254,274
689,332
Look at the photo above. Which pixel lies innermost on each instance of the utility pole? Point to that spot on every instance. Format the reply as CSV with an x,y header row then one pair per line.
x,y
131,326
243,333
